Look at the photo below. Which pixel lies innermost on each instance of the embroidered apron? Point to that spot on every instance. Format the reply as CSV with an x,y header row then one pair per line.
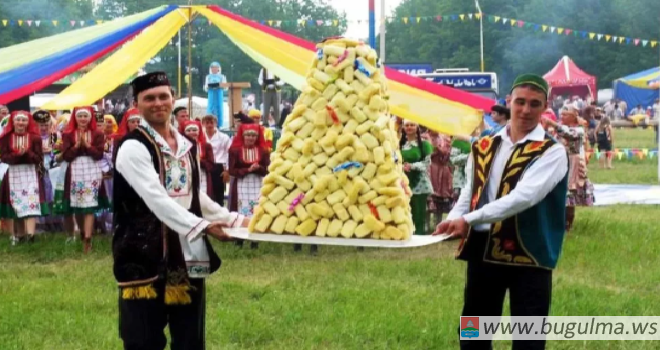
x,y
86,180
24,190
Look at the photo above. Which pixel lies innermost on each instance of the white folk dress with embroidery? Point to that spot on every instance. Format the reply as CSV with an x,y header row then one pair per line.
x,y
24,184
249,186
170,204
86,179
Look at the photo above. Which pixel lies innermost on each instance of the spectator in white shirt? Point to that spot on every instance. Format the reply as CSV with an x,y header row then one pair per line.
x,y
220,143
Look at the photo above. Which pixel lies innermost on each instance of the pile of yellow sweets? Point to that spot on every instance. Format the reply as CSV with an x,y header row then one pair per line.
x,y
337,170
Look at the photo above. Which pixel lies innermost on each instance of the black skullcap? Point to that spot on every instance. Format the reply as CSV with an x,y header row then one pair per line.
x,y
179,109
148,81
41,116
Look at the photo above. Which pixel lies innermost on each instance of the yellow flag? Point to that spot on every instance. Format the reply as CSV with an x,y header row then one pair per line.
x,y
99,21
20,22
55,23
302,23
560,30
419,19
4,22
270,22
513,22
335,22
653,43
645,151
497,19
462,17
592,35
621,39
607,37
478,15
405,20
544,27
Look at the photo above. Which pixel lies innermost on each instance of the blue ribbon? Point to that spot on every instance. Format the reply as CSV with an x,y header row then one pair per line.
x,y
347,165
360,67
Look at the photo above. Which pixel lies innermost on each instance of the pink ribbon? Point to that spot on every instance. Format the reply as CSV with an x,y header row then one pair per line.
x,y
296,201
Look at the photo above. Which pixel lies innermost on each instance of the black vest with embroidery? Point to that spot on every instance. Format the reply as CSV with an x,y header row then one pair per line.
x,y
530,238
144,249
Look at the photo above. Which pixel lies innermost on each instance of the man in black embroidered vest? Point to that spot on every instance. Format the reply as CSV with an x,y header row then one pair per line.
x,y
510,214
160,246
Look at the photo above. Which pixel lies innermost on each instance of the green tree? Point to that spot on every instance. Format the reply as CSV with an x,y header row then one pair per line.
x,y
510,51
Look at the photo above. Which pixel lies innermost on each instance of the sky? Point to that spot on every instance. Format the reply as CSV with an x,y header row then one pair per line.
x,y
359,10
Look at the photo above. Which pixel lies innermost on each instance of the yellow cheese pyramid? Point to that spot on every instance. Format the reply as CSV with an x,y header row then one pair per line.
x,y
337,171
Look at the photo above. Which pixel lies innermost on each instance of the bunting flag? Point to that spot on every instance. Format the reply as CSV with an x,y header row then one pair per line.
x,y
35,64
438,107
278,23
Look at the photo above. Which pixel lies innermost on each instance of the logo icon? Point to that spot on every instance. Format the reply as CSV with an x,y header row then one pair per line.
x,y
469,327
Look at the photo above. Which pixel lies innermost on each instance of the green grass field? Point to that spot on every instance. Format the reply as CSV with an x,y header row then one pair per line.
x,y
53,297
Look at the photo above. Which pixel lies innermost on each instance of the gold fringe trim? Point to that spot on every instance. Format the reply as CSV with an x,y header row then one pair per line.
x,y
141,292
177,295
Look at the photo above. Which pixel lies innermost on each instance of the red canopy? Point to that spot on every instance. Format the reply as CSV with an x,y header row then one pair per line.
x,y
566,78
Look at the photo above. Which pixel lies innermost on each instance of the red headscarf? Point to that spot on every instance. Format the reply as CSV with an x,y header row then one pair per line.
x,y
238,140
32,127
73,124
123,126
201,138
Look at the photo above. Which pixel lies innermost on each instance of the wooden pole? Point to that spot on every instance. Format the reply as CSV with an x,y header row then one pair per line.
x,y
190,19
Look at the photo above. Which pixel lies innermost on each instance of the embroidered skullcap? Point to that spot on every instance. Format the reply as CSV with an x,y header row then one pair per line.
x,y
41,116
531,79
149,81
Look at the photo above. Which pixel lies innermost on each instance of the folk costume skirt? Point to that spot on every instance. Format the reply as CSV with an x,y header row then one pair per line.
x,y
21,193
82,191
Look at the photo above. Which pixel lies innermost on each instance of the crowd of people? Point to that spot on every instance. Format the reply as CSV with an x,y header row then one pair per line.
x,y
74,163
57,169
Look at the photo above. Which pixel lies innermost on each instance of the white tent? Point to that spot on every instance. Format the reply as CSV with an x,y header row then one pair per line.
x,y
199,105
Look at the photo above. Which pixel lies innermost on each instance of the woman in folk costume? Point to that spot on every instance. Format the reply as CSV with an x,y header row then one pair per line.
x,y
129,122
109,129
416,155
267,133
248,164
193,129
216,94
83,193
580,189
22,193
440,172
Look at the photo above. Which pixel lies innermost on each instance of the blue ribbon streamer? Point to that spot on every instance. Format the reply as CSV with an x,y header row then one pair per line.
x,y
45,67
345,166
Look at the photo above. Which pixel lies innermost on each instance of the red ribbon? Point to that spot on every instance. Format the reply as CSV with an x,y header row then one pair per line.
x,y
341,58
333,114
373,209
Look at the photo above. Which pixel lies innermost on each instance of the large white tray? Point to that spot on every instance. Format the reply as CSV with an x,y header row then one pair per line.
x,y
414,241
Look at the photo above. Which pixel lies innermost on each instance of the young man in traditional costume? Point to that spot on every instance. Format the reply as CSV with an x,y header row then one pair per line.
x,y
21,192
161,251
511,212
49,139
